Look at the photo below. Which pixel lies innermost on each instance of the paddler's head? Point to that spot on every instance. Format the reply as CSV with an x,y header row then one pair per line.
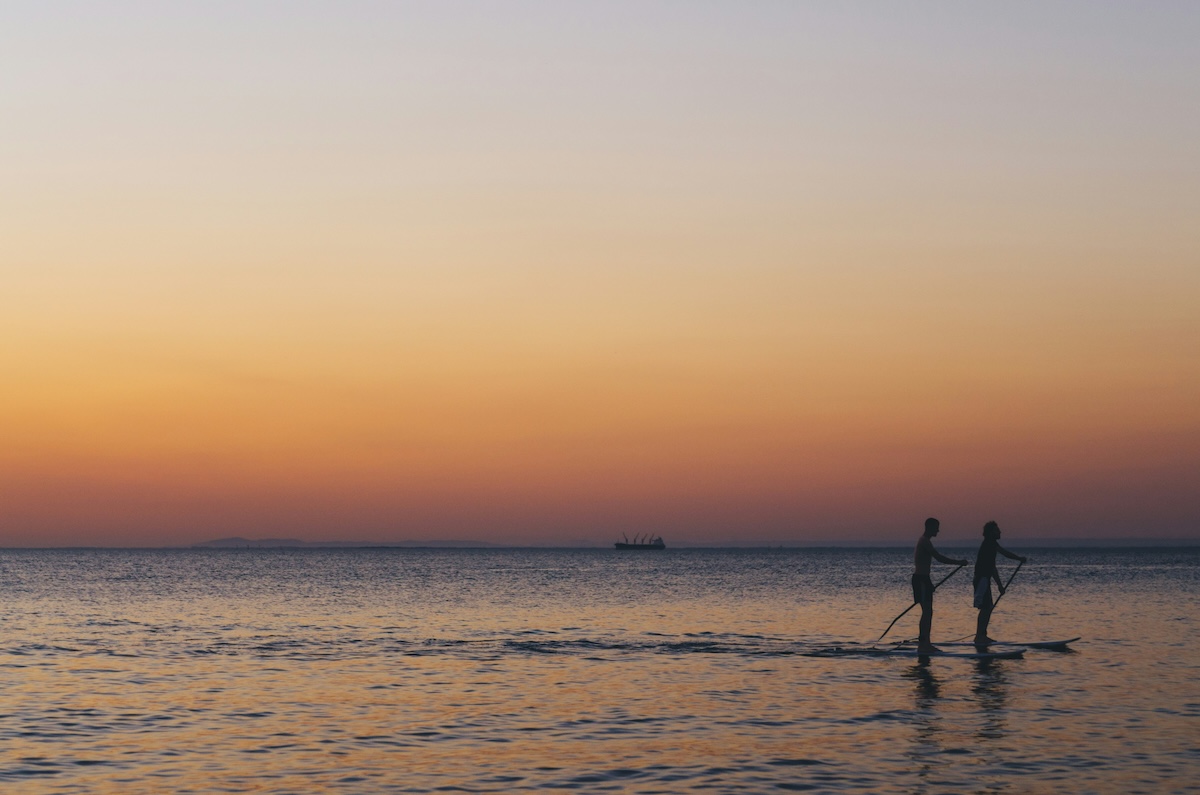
x,y
932,526
991,530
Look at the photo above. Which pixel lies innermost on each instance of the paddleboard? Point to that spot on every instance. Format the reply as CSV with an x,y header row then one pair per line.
x,y
1057,645
1006,654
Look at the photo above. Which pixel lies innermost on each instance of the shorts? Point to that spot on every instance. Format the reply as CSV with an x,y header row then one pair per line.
x,y
922,588
983,593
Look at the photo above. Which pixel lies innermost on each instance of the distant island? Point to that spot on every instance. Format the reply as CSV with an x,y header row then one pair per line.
x,y
238,542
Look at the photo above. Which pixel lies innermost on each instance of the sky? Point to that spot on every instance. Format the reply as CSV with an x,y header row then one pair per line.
x,y
547,273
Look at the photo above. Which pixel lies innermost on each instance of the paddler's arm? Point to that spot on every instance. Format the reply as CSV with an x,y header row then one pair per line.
x,y
1010,555
944,559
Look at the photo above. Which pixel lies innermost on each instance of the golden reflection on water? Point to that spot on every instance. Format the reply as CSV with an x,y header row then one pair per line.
x,y
990,688
374,683
926,745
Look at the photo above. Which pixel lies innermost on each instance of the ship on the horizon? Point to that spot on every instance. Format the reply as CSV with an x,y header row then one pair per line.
x,y
641,542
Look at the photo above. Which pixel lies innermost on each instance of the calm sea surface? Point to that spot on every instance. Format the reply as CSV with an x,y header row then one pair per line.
x,y
361,671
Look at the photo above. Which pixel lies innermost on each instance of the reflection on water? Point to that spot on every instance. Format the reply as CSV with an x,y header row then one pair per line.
x,y
501,671
990,690
937,705
926,749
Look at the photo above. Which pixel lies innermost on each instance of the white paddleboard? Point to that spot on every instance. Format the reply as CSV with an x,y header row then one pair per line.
x,y
1006,654
1036,644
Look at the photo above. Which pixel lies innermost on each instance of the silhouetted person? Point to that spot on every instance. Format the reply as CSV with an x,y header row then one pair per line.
x,y
985,572
922,585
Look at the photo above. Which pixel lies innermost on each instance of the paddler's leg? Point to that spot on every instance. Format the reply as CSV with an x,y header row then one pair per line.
x,y
923,643
981,626
983,600
922,588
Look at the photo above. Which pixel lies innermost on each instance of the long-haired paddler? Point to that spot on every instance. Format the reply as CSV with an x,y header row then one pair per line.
x,y
985,572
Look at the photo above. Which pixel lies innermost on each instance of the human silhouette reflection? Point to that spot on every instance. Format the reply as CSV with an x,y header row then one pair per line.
x,y
990,688
927,746
927,686
942,729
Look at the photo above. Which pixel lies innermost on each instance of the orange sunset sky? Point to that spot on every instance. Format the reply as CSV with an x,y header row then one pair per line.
x,y
542,272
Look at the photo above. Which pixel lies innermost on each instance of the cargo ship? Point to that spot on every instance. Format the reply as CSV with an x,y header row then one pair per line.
x,y
641,542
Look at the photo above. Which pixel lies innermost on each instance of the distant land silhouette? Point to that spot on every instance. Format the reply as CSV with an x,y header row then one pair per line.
x,y
237,542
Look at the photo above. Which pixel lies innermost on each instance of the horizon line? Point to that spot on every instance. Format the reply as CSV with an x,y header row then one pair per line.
x,y
299,544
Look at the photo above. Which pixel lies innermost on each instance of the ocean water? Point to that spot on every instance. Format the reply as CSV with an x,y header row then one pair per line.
x,y
393,670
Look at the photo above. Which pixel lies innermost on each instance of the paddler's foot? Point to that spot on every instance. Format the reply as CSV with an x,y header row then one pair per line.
x,y
983,641
928,648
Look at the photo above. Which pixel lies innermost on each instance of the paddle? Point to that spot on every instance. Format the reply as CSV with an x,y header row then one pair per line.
x,y
914,604
998,598
1010,579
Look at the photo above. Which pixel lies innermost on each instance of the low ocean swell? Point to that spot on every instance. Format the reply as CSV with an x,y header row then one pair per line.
x,y
327,672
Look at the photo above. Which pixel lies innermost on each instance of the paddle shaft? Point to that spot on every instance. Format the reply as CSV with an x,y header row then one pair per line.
x,y
914,604
1010,579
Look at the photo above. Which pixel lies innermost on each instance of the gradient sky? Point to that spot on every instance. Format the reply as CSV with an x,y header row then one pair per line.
x,y
544,272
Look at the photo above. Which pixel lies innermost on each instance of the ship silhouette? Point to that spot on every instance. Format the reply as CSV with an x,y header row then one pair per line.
x,y
646,541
